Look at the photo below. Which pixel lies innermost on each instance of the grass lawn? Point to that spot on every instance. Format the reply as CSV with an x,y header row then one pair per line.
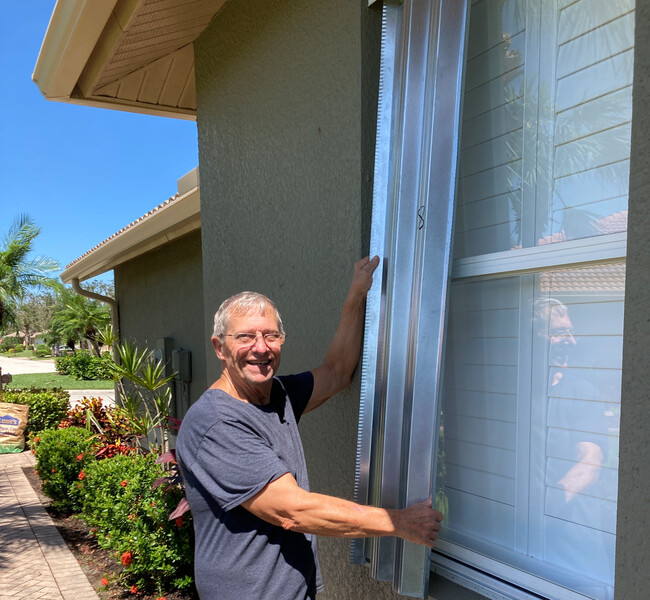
x,y
22,354
50,380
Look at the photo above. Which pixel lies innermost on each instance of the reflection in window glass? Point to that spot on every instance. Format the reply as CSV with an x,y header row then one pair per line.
x,y
546,124
529,451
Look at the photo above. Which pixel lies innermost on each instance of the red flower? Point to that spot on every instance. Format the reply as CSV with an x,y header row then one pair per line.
x,y
81,475
134,589
123,483
153,504
132,517
80,456
104,581
161,598
36,440
35,472
53,470
126,558
179,521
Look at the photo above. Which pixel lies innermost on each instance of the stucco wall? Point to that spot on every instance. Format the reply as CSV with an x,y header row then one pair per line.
x,y
160,295
286,116
633,522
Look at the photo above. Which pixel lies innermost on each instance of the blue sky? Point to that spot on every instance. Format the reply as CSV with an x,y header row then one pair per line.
x,y
80,173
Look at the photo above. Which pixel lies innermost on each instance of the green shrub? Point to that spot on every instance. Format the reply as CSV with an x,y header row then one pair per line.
x,y
42,350
61,457
47,407
83,365
8,343
130,517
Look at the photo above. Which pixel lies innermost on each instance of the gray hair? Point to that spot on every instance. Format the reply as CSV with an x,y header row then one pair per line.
x,y
542,310
243,303
544,306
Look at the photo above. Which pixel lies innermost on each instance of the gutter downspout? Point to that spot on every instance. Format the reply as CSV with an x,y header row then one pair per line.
x,y
107,299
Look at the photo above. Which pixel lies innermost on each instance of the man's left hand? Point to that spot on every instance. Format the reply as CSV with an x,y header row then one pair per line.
x,y
362,277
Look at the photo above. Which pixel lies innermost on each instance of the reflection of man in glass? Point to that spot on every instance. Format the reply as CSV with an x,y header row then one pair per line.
x,y
555,324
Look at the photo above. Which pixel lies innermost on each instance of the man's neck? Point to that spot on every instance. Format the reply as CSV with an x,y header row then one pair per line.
x,y
251,394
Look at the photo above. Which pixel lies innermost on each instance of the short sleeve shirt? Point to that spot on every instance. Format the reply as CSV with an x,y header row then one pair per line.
x,y
228,450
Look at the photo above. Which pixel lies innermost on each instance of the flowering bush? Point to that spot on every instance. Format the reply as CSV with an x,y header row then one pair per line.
x,y
131,518
61,459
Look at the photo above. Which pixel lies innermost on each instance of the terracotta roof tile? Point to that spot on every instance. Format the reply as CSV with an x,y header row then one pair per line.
x,y
139,220
598,279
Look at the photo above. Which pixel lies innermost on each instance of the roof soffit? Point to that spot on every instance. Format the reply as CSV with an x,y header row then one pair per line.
x,y
143,61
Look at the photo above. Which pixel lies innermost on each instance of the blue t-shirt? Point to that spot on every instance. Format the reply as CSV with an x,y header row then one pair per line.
x,y
228,450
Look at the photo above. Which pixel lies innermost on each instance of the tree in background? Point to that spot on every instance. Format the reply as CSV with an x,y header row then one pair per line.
x,y
78,317
18,272
34,314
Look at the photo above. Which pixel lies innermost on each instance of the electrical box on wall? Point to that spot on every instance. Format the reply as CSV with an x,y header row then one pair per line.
x,y
162,352
182,364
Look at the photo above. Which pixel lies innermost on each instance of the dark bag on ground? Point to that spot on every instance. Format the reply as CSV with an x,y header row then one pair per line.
x,y
13,420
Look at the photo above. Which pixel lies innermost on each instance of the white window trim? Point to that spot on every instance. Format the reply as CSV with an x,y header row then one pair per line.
x,y
527,260
494,582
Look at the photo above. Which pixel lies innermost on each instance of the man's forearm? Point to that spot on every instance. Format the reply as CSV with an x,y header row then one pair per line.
x,y
344,350
343,353
284,504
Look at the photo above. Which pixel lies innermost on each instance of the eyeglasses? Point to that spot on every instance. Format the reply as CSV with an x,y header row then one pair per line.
x,y
248,338
564,332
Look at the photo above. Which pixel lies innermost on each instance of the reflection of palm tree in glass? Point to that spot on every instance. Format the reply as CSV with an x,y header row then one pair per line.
x,y
555,324
565,218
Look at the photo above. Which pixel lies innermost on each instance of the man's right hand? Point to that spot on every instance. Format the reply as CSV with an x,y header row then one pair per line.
x,y
418,523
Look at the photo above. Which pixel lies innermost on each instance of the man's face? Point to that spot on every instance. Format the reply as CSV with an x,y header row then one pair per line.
x,y
250,365
560,337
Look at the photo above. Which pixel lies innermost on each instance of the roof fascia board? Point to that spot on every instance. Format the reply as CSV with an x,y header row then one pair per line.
x,y
179,217
187,114
187,226
71,35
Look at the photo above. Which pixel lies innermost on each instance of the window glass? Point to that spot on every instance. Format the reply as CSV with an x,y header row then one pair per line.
x,y
546,124
529,449
527,467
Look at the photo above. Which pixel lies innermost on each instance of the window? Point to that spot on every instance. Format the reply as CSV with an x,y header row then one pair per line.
x,y
528,377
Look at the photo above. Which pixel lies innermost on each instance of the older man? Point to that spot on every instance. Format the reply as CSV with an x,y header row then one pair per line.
x,y
243,464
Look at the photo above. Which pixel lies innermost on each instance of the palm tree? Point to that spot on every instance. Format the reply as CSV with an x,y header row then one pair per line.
x,y
18,272
78,317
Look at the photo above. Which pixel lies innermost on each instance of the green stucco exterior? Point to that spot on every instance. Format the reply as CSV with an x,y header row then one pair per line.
x,y
160,295
633,510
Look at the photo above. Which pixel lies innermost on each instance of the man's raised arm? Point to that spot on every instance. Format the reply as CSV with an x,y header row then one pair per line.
x,y
343,354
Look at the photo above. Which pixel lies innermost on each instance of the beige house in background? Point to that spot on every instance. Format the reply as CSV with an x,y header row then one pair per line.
x,y
550,211
158,257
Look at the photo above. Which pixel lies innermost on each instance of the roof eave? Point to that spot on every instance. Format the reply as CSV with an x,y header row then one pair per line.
x,y
131,106
178,218
73,31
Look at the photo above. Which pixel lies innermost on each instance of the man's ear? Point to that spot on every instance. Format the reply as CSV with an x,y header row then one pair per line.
x,y
218,347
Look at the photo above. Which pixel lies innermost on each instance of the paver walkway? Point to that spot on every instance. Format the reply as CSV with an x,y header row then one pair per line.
x,y
35,563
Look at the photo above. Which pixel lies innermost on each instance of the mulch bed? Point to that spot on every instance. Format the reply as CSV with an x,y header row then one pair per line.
x,y
95,562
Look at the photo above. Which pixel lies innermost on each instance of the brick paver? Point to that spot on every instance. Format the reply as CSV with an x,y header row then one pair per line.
x,y
35,563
